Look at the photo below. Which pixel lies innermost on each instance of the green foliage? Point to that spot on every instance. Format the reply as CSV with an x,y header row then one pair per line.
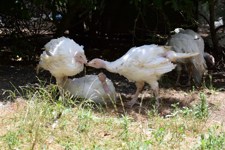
x,y
49,122
159,134
125,123
201,110
212,140
12,139
84,120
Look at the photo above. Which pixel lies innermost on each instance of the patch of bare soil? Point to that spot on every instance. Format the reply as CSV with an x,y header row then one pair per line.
x,y
12,77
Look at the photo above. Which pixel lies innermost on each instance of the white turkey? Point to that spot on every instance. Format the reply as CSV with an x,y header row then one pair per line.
x,y
188,41
62,57
142,64
97,88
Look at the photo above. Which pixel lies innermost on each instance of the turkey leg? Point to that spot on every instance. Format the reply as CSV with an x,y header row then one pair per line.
x,y
179,69
190,74
155,88
60,81
139,86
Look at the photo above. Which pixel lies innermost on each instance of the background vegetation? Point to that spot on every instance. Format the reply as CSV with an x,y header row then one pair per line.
x,y
190,118
26,25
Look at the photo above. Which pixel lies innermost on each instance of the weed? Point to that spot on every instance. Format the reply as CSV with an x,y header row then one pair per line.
x,y
159,134
210,82
11,138
125,123
201,110
212,140
84,119
49,120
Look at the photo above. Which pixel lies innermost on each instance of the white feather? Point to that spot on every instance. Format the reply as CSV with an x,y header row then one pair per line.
x,y
142,63
89,87
58,57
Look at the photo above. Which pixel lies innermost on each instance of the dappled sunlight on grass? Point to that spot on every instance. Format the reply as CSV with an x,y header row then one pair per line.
x,y
42,119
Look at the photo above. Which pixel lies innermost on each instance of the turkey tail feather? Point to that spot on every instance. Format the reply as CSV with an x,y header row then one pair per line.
x,y
185,55
173,56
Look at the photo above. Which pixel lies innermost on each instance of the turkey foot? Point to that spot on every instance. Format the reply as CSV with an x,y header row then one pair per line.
x,y
131,103
134,99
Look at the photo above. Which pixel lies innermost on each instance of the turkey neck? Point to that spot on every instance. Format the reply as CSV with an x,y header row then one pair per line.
x,y
112,66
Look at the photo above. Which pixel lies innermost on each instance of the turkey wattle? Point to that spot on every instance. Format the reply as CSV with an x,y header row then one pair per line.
x,y
142,64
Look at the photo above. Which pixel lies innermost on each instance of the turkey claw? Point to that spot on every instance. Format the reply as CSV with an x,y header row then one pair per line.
x,y
130,104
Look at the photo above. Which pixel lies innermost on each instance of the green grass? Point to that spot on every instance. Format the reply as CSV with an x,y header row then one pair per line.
x,y
212,139
48,121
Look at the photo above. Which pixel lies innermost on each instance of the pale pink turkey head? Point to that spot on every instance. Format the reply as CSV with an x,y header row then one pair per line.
x,y
81,58
96,63
102,79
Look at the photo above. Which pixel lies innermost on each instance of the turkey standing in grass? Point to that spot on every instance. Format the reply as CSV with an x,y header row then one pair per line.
x,y
143,64
187,41
62,57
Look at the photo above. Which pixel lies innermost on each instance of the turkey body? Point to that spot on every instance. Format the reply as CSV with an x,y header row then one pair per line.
x,y
187,41
209,59
63,57
90,87
142,64
135,66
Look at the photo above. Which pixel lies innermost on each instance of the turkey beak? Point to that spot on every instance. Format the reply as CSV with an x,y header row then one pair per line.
x,y
89,63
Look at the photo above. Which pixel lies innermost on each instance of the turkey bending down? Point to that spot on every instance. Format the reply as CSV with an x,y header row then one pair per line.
x,y
143,64
62,58
188,41
97,88
210,60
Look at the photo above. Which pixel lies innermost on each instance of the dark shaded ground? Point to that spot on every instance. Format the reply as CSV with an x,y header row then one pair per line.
x,y
14,76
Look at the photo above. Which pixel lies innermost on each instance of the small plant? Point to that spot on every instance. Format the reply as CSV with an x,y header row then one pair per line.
x,y
159,134
212,140
11,138
186,111
210,84
84,118
126,123
201,110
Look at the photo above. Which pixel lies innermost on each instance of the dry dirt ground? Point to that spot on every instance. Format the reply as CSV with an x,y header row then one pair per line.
x,y
12,77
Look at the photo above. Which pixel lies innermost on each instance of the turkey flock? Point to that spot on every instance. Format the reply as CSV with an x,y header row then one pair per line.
x,y
64,58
